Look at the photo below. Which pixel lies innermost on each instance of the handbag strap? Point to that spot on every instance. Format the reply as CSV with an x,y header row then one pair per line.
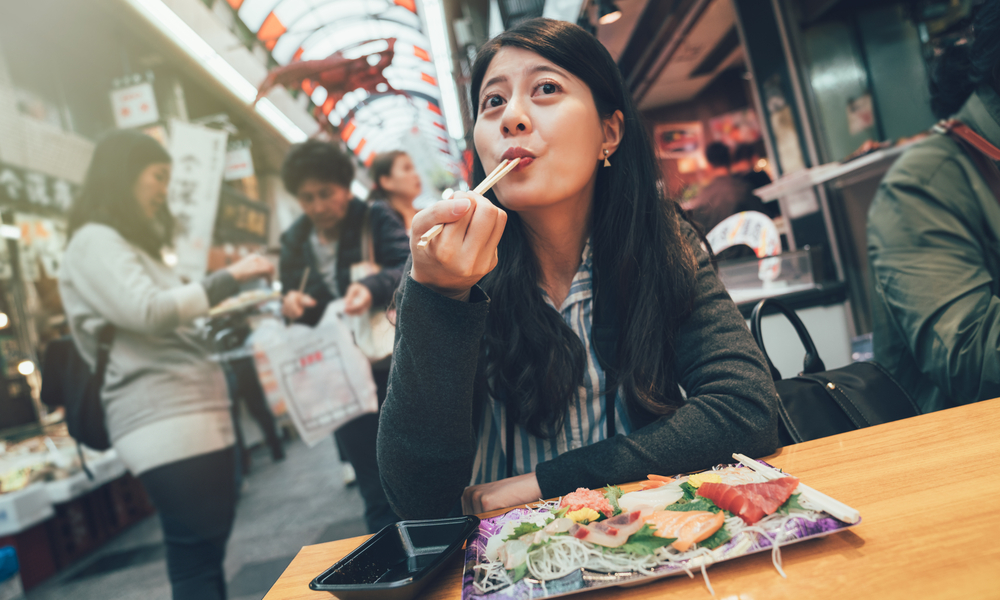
x,y
811,363
105,339
982,153
367,243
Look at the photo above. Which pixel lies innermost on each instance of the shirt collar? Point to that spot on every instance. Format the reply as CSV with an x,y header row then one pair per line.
x,y
582,287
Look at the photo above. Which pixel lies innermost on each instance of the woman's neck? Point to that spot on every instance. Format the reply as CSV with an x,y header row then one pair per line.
x,y
404,206
557,235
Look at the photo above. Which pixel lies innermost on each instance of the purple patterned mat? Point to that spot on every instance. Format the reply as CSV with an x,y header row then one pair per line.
x,y
797,529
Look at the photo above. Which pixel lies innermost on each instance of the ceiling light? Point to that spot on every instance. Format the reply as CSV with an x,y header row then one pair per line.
x,y
4,320
167,21
26,368
607,12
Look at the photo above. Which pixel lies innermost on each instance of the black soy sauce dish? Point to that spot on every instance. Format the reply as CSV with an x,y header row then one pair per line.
x,y
398,561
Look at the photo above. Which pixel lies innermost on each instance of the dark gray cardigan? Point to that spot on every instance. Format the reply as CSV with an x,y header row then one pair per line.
x,y
427,436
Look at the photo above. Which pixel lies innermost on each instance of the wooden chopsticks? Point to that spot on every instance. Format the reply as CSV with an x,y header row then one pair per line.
x,y
498,173
835,508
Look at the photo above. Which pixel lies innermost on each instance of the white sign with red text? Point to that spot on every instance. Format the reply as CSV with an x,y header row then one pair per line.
x,y
135,106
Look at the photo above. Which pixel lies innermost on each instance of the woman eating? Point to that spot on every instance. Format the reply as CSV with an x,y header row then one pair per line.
x,y
569,330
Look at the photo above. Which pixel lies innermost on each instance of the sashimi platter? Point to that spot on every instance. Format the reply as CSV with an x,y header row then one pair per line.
x,y
591,539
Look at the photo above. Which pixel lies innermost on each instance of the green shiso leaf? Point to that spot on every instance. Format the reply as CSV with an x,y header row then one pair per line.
x,y
689,491
642,542
702,504
717,539
790,504
613,493
523,529
518,572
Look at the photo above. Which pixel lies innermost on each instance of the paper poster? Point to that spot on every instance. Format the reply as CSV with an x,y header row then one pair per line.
x,y
679,140
735,128
42,243
199,155
860,114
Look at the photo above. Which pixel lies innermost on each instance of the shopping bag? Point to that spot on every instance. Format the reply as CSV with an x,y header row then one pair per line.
x,y
323,379
374,334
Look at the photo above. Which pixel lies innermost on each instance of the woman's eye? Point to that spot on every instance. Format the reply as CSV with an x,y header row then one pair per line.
x,y
494,101
549,88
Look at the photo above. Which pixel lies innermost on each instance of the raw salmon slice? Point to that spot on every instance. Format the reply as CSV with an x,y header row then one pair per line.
x,y
688,527
751,501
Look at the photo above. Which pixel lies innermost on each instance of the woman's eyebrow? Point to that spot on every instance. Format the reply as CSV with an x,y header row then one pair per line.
x,y
546,69
493,80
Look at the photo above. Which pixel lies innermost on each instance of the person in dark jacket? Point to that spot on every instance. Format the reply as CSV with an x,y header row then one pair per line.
x,y
569,331
321,246
932,241
727,194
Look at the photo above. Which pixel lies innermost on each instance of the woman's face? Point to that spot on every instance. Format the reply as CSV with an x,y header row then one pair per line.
x,y
150,188
403,179
531,108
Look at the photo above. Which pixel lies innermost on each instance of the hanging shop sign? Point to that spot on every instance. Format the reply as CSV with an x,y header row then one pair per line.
x,y
241,220
25,189
239,161
135,106
199,155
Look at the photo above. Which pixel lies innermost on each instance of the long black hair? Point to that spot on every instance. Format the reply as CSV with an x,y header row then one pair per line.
x,y
382,167
535,362
963,67
107,194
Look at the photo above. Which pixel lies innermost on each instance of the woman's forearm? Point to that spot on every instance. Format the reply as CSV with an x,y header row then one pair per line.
x,y
427,438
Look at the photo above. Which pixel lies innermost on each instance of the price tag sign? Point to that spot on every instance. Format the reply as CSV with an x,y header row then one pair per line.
x,y
135,106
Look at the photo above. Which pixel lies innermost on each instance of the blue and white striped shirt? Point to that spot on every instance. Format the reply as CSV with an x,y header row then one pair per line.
x,y
586,420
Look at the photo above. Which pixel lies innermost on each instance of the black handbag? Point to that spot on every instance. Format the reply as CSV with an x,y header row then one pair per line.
x,y
68,381
818,403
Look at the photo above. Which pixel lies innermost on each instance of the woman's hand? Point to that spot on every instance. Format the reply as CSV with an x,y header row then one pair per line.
x,y
251,267
295,303
357,300
501,494
465,251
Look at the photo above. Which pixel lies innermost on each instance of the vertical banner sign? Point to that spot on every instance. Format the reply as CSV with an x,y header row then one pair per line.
x,y
135,106
199,155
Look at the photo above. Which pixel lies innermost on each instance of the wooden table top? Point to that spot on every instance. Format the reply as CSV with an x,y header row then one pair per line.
x,y
929,496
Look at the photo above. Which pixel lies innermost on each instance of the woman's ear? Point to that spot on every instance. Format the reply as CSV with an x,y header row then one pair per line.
x,y
614,129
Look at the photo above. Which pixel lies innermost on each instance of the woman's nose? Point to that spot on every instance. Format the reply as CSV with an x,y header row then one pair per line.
x,y
515,119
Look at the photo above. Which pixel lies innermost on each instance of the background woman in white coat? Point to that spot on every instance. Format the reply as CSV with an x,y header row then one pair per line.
x,y
166,403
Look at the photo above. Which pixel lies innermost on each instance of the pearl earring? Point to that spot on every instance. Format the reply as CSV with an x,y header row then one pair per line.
x,y
607,163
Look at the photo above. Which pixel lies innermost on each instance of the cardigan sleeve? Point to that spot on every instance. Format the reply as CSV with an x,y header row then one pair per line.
x,y
731,403
426,437
109,276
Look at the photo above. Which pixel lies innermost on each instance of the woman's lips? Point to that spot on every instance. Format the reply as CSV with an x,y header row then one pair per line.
x,y
523,164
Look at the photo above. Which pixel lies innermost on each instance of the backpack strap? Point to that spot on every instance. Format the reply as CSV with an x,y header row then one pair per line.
x,y
982,153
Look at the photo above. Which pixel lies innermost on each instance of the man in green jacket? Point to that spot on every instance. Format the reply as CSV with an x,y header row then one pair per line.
x,y
934,254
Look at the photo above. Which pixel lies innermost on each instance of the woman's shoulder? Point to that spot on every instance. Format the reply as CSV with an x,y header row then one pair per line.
x,y
94,236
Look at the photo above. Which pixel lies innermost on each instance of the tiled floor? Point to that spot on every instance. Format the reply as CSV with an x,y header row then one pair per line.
x,y
284,506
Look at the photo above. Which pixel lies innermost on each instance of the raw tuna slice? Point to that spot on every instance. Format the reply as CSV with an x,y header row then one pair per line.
x,y
687,527
610,533
751,501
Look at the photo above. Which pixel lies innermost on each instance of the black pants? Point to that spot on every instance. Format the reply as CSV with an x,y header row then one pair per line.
x,y
196,500
357,440
245,388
